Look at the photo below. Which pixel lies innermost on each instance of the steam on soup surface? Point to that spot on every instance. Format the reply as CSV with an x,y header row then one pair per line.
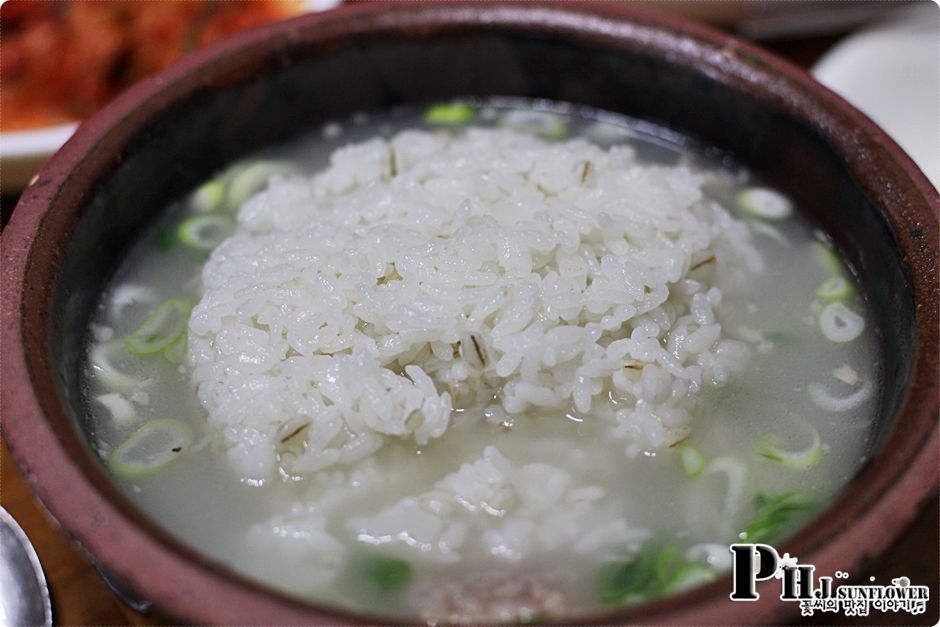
x,y
483,362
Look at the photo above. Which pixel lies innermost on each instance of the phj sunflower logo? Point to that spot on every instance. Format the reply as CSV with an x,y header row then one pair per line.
x,y
758,562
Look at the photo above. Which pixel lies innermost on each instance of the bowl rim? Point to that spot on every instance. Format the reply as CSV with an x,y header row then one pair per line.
x,y
878,503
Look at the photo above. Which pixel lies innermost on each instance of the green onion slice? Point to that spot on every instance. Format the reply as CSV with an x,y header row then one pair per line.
x,y
771,515
455,113
387,574
161,328
103,359
151,447
122,412
541,123
689,576
175,353
208,196
770,231
824,399
164,241
769,447
246,180
204,232
635,578
764,203
651,573
781,338
839,323
736,473
834,288
827,258
693,462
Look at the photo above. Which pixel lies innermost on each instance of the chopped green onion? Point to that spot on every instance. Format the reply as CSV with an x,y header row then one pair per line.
x,y
825,400
666,563
827,258
248,179
765,203
175,353
208,196
693,462
160,329
541,123
103,358
204,232
635,579
164,241
770,231
690,576
779,337
151,447
834,288
456,113
771,515
769,447
839,323
651,573
387,574
122,412
736,472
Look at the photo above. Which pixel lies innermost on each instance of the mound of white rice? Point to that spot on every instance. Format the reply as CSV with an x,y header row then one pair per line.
x,y
513,512
487,269
488,506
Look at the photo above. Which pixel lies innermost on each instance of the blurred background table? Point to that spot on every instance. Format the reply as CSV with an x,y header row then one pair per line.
x,y
81,597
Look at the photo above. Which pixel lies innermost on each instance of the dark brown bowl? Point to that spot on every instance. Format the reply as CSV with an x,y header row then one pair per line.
x,y
168,133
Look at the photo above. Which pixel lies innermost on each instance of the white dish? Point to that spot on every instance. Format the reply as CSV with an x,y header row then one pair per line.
x,y
891,72
23,152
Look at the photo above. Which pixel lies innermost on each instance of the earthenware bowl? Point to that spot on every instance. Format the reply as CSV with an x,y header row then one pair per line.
x,y
165,135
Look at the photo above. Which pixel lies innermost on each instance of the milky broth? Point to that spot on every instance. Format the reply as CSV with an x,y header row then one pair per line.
x,y
199,498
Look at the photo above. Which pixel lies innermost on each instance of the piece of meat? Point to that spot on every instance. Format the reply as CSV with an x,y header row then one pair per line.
x,y
493,599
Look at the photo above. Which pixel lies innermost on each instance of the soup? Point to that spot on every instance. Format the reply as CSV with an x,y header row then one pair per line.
x,y
491,361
